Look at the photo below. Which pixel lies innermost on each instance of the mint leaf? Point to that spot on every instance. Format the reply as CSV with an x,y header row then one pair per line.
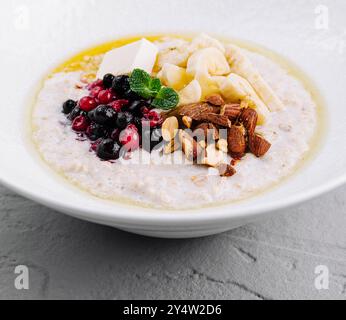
x,y
142,84
166,99
155,85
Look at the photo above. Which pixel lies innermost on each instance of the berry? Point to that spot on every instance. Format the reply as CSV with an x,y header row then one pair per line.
x,y
154,118
104,115
138,123
121,85
124,119
108,80
68,106
132,96
94,145
80,124
108,150
115,134
76,112
136,106
97,83
117,105
129,138
105,96
95,92
145,111
87,104
96,131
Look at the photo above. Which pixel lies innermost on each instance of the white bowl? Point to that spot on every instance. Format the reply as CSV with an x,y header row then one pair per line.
x,y
40,35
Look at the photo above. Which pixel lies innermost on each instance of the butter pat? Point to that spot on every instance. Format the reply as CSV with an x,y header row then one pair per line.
x,y
140,54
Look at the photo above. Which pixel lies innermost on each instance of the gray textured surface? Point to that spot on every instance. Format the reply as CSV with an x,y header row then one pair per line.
x,y
273,259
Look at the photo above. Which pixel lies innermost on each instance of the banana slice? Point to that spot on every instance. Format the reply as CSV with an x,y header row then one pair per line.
x,y
241,65
236,89
192,93
178,56
208,61
209,85
174,76
205,41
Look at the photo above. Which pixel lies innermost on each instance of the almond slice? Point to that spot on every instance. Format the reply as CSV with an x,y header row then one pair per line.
x,y
206,131
171,147
189,145
215,100
249,118
170,128
236,141
213,157
226,170
217,119
187,121
231,110
222,145
258,145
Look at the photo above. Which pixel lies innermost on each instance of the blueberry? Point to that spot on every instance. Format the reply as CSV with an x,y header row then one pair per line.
x,y
108,80
96,131
77,112
104,115
68,106
124,119
108,149
136,106
121,85
138,123
132,96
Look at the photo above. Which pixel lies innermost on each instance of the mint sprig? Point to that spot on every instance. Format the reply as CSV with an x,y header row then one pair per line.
x,y
151,88
142,84
166,99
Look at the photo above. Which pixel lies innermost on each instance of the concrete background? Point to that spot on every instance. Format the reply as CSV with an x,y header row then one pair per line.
x,y
273,259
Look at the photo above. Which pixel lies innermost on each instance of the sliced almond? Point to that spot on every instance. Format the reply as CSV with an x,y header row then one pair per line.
x,y
169,128
189,145
206,131
231,110
236,141
258,145
226,170
171,147
196,110
187,121
222,145
213,157
249,118
217,119
215,100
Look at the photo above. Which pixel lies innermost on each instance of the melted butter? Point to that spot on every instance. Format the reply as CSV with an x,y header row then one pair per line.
x,y
88,61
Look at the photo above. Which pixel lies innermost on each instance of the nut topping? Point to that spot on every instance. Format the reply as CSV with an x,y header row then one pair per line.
x,y
258,145
217,119
226,170
213,157
236,142
189,145
170,128
222,145
187,121
249,118
215,100
232,110
206,131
